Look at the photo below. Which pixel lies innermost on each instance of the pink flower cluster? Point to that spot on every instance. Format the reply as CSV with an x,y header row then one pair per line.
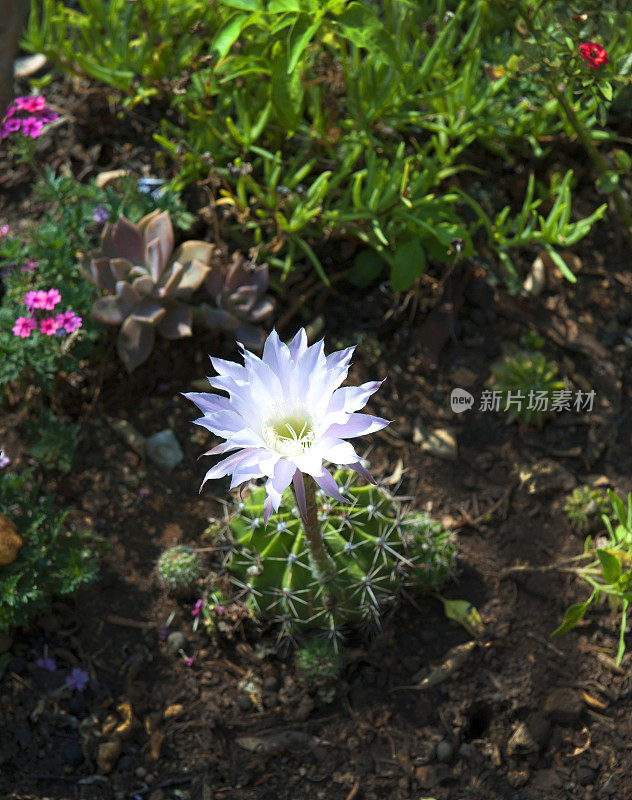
x,y
63,322
28,115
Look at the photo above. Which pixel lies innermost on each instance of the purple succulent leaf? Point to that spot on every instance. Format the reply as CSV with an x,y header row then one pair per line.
x,y
176,322
110,310
173,280
252,338
121,268
260,278
214,281
261,310
244,297
217,318
126,293
138,271
149,310
237,274
144,222
194,273
143,285
128,241
153,259
100,273
194,250
159,227
135,342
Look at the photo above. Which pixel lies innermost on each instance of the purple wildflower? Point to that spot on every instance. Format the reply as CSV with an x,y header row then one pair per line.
x,y
77,679
47,663
28,267
100,215
4,460
163,632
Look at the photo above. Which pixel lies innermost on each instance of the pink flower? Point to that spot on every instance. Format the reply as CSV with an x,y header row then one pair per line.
x,y
49,326
4,231
199,605
23,327
52,298
30,301
41,299
32,127
594,54
28,267
68,320
188,661
31,104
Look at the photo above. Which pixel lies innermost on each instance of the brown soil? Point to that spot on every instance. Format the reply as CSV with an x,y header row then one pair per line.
x,y
564,699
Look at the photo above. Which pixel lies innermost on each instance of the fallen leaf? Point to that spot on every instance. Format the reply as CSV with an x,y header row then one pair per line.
x,y
277,742
455,659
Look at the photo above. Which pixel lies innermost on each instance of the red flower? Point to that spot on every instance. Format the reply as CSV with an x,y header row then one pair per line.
x,y
594,54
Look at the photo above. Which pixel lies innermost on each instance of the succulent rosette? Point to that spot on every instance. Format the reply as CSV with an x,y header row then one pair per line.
x,y
147,283
285,416
238,292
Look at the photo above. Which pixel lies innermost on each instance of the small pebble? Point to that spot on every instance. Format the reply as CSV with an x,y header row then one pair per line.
x,y
465,751
244,704
125,764
445,751
271,684
586,776
140,773
176,641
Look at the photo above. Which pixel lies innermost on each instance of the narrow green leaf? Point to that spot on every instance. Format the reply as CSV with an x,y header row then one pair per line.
x,y
618,506
573,615
610,565
624,619
228,33
298,38
246,5
286,93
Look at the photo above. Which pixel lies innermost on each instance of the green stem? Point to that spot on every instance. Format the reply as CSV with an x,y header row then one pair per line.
x,y
321,562
597,159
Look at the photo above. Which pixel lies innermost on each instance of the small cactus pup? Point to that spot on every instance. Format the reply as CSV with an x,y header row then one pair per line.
x,y
312,565
528,384
318,666
147,283
179,568
585,508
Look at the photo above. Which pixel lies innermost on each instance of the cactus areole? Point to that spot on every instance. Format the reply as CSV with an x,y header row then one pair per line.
x,y
284,416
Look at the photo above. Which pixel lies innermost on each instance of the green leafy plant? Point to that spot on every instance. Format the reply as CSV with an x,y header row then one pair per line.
x,y
349,121
585,508
379,551
54,560
179,568
608,570
527,383
53,440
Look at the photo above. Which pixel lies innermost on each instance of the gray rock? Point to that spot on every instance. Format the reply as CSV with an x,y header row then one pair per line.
x,y
271,684
466,752
164,449
445,751
176,641
540,729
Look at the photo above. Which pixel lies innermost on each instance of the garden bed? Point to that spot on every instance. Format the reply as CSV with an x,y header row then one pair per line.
x,y
523,717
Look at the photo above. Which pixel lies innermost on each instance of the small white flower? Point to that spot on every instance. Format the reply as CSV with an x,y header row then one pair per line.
x,y
4,460
284,416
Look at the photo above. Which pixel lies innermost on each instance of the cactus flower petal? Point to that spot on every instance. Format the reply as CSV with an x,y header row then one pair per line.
x,y
285,415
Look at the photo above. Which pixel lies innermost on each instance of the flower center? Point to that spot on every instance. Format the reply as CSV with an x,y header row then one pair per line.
x,y
289,432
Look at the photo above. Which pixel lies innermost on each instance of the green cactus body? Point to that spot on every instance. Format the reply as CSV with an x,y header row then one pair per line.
x,y
179,568
377,550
